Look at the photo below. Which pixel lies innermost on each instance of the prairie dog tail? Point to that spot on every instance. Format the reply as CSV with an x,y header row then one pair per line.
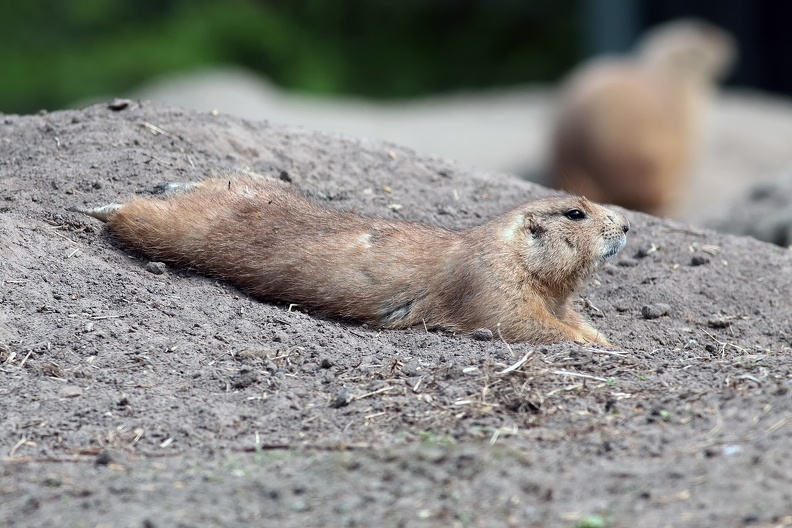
x,y
106,212
103,212
197,224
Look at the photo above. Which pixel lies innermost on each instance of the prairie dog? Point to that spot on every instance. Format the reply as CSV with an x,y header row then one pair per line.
x,y
627,127
513,275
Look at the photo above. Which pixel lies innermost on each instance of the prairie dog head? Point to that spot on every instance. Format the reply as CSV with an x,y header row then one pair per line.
x,y
692,48
561,240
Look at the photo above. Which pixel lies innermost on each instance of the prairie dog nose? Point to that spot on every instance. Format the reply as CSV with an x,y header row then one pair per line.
x,y
618,218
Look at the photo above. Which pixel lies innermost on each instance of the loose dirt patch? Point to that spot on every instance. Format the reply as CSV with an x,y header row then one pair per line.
x,y
137,398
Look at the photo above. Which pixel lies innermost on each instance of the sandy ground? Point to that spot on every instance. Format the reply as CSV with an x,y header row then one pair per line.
x,y
131,398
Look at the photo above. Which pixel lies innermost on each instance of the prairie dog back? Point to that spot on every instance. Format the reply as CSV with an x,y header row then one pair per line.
x,y
256,233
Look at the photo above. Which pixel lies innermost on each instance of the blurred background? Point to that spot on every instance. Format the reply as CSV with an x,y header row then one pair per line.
x,y
54,53
473,80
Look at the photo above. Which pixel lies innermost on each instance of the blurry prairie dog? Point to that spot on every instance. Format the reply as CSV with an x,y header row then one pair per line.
x,y
514,274
627,127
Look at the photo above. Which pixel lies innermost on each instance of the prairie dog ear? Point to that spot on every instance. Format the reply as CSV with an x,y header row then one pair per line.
x,y
534,225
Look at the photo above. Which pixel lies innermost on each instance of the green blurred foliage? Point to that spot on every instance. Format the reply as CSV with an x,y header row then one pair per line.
x,y
54,52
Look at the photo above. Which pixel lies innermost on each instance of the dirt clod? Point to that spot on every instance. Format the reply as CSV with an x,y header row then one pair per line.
x,y
342,398
244,378
103,458
718,322
482,334
645,250
698,260
119,104
157,268
655,310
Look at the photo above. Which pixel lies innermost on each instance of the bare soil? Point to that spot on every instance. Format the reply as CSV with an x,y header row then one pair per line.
x,y
132,398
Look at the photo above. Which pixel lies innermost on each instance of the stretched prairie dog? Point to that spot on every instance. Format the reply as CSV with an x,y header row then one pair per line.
x,y
513,275
627,127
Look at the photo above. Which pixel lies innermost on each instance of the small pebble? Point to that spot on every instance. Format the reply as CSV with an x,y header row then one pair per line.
x,y
342,398
698,260
280,337
411,369
243,379
653,311
119,104
645,251
103,459
718,323
482,334
731,450
157,268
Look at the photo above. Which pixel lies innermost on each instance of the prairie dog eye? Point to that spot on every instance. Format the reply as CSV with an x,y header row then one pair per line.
x,y
575,214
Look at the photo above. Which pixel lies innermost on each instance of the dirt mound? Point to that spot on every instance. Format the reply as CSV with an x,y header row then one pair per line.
x,y
132,397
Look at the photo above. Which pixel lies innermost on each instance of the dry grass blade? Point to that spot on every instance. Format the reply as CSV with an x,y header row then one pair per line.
x,y
606,352
508,346
579,375
157,130
373,393
22,441
518,364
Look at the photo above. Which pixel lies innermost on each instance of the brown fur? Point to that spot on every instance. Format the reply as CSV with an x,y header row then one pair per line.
x,y
514,274
627,128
